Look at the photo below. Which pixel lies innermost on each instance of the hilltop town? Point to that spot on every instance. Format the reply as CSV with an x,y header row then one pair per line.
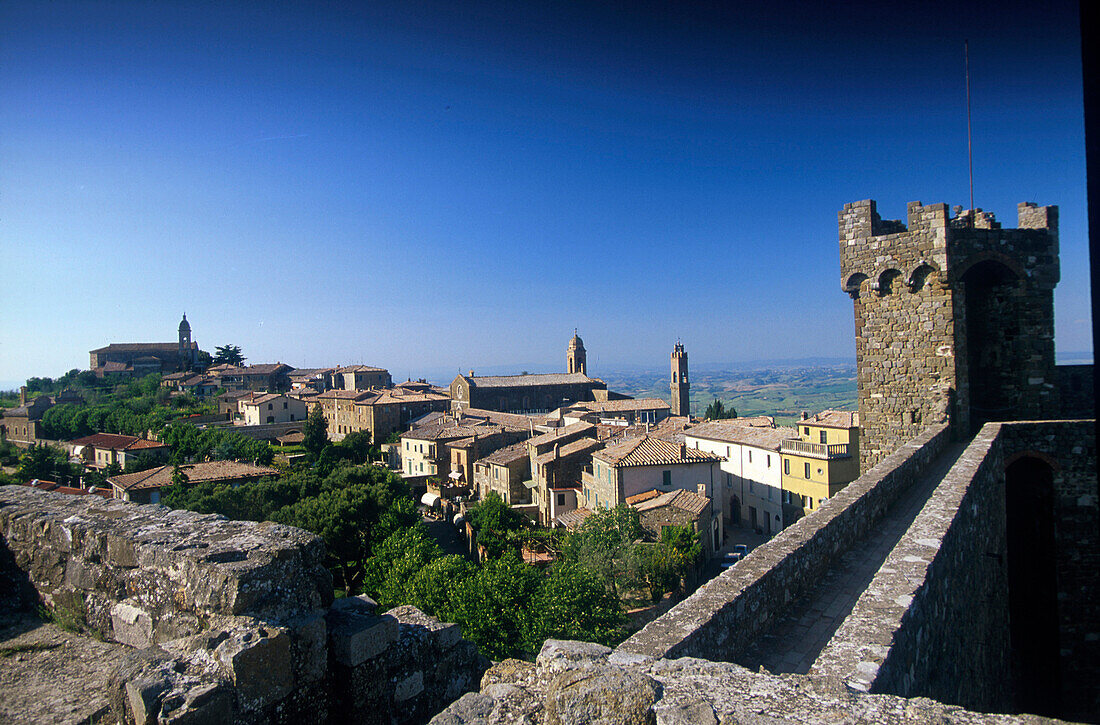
x,y
531,509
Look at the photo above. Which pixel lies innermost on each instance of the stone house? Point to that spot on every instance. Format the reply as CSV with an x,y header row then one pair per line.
x,y
751,487
145,487
360,377
380,412
820,462
272,408
640,464
556,477
505,471
100,450
658,510
629,411
22,425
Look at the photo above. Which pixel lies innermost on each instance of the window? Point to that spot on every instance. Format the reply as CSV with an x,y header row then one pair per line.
x,y
806,431
824,438
750,486
807,470
284,405
666,478
269,407
769,460
561,499
786,466
750,456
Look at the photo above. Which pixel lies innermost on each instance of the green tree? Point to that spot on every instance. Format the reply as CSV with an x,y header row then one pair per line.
x,y
47,463
357,445
496,607
389,573
716,411
495,523
229,355
604,544
315,431
574,604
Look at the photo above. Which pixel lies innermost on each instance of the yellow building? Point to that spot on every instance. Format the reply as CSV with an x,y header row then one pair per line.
x,y
821,461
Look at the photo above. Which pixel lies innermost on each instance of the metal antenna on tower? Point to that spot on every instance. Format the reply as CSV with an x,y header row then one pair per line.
x,y
969,146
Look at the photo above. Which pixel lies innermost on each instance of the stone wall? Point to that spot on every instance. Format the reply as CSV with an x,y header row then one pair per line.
x,y
934,620
228,620
719,620
1070,448
954,318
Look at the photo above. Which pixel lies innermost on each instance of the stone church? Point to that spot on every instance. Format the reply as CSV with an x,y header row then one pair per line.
x,y
142,358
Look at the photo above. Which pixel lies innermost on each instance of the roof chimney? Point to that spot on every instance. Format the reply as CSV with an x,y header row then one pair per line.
x,y
471,373
683,450
804,415
702,488
22,395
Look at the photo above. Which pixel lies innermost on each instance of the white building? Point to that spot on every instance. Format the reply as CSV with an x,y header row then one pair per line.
x,y
272,408
752,470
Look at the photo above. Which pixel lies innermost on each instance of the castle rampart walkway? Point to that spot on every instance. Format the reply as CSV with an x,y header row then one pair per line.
x,y
795,640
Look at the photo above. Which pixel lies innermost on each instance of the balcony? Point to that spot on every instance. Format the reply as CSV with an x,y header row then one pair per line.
x,y
823,451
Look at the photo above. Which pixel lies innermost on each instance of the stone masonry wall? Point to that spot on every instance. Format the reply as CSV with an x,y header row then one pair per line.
x,y
919,359
229,621
1071,447
720,619
934,620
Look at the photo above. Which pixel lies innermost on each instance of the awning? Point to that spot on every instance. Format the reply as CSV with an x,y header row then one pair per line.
x,y
455,475
429,500
530,484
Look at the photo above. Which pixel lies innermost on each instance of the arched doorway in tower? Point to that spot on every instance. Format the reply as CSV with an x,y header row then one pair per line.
x,y
1032,585
992,319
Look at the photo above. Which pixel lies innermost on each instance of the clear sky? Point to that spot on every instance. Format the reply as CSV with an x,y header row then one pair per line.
x,y
422,185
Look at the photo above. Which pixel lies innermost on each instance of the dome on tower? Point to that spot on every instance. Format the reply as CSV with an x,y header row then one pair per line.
x,y
185,326
576,343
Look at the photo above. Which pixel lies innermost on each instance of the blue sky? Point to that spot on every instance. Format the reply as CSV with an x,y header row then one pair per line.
x,y
428,186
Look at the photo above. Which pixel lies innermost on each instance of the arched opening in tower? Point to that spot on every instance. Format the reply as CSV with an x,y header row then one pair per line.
x,y
992,319
1032,585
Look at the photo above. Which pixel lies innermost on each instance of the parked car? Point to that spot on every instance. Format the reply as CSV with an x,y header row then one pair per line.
x,y
742,550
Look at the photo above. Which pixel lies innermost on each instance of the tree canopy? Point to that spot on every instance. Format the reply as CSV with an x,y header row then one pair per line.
x,y
717,411
315,431
229,355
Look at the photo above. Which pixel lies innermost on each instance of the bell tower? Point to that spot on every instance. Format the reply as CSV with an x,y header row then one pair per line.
x,y
681,400
185,353
576,360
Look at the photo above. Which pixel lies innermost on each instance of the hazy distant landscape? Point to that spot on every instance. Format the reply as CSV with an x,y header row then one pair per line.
x,y
782,388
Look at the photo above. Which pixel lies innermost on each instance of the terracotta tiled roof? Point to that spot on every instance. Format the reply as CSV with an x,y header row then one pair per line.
x,y
352,395
650,451
617,406
196,473
833,419
726,432
573,519
161,347
450,432
558,433
688,501
360,369
579,446
51,486
115,442
507,454
509,381
267,368
643,496
265,398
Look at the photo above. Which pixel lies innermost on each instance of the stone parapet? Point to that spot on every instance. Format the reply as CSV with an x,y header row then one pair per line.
x,y
934,620
723,617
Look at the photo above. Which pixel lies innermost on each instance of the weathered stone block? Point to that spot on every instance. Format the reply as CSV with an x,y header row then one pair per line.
x,y
408,687
355,638
258,663
131,625
605,695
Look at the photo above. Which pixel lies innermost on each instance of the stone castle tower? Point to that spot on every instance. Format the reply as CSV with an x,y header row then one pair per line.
x,y
576,359
954,318
187,355
681,401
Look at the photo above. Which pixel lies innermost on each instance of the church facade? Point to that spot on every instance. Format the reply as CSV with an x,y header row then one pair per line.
x,y
142,358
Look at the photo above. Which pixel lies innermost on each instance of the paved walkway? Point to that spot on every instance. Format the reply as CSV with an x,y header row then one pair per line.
x,y
793,642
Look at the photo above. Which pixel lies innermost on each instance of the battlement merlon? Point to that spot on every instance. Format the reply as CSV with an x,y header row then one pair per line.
x,y
870,245
1033,216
